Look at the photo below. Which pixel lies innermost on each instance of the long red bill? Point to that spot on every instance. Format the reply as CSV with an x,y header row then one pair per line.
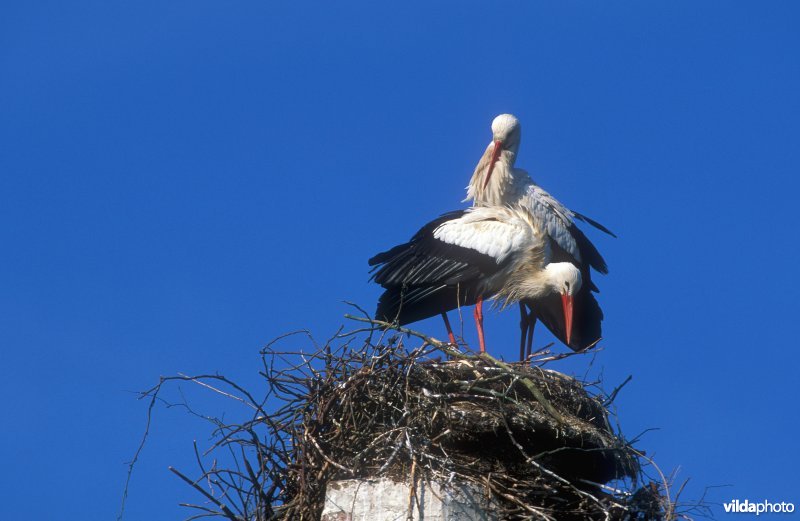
x,y
566,303
498,147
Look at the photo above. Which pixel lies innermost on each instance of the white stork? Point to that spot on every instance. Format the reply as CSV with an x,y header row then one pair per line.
x,y
496,182
468,256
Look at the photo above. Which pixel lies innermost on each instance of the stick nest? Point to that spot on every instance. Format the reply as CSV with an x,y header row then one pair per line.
x,y
537,442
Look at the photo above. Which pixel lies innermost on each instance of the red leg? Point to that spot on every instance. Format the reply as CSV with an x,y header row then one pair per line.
x,y
449,329
479,323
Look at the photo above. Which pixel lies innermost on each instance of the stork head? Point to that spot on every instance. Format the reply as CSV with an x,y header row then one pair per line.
x,y
565,279
506,128
506,134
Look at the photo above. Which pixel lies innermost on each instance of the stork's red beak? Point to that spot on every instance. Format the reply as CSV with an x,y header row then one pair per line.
x,y
498,147
566,303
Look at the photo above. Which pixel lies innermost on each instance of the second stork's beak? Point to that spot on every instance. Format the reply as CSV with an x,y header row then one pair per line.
x,y
498,147
566,303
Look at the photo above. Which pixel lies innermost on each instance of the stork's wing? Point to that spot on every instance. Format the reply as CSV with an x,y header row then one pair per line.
x,y
452,251
553,217
425,231
557,220
591,257
409,304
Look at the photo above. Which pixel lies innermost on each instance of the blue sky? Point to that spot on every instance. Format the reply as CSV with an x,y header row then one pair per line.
x,y
180,182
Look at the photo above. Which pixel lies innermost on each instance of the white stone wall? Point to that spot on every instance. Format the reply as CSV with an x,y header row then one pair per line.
x,y
387,500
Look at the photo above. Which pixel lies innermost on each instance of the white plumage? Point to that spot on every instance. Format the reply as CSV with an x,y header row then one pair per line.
x,y
493,231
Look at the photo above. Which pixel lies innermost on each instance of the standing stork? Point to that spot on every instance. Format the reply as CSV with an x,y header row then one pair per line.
x,y
468,256
496,182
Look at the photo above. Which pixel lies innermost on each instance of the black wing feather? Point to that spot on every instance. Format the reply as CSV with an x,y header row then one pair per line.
x,y
425,260
589,253
426,276
410,304
425,231
594,223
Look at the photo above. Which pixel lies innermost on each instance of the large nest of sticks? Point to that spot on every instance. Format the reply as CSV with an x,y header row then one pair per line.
x,y
539,443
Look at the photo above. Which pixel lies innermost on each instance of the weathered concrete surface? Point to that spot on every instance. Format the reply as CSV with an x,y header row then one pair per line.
x,y
387,500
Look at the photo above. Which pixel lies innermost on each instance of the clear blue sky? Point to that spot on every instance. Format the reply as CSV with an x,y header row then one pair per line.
x,y
182,181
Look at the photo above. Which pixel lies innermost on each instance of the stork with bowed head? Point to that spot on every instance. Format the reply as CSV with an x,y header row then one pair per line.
x,y
468,256
496,182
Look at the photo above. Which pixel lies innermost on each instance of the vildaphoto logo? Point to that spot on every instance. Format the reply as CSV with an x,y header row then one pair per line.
x,y
762,507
